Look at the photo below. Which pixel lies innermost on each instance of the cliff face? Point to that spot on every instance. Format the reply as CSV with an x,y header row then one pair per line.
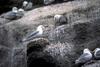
x,y
66,42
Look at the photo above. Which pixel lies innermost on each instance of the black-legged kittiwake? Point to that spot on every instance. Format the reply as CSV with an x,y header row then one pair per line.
x,y
97,53
11,15
60,20
20,13
39,31
85,57
27,5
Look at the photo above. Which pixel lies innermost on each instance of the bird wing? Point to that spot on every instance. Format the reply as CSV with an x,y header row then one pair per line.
x,y
19,15
30,36
84,58
29,6
10,15
98,53
33,34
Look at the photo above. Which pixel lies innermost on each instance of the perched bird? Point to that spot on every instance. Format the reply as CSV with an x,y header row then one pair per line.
x,y
10,15
20,13
85,57
97,53
47,2
27,5
39,31
60,20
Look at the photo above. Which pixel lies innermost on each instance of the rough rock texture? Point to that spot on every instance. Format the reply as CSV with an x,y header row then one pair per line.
x,y
3,21
38,44
62,53
96,64
35,55
66,42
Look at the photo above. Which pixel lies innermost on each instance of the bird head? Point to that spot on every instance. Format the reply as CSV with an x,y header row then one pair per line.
x,y
40,28
20,10
96,49
57,17
15,9
86,50
25,3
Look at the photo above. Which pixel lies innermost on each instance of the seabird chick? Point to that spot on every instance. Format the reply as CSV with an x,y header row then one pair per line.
x,y
10,15
60,20
39,31
85,57
47,2
97,53
27,5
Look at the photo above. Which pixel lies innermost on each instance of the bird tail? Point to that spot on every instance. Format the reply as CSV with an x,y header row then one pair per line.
x,y
27,39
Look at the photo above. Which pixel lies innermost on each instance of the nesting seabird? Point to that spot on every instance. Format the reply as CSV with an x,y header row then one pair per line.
x,y
85,57
97,53
20,13
60,20
27,5
39,32
47,2
10,15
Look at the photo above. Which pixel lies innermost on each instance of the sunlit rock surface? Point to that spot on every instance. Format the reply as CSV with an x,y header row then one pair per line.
x,y
65,45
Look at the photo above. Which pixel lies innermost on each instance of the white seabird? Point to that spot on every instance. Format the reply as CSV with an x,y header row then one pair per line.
x,y
10,15
47,2
97,53
39,31
27,5
20,13
85,57
60,19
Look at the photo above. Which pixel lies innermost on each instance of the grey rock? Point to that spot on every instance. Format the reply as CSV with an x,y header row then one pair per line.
x,y
35,53
38,44
81,32
62,34
3,21
95,64
5,56
62,53
19,57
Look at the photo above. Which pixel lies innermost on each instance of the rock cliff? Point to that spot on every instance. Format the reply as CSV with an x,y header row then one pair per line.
x,y
64,43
